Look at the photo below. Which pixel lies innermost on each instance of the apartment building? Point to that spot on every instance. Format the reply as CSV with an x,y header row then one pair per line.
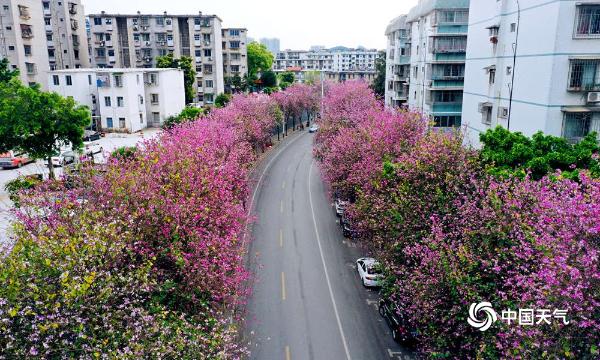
x,y
235,54
41,35
123,100
135,41
397,74
438,46
547,53
339,64
272,44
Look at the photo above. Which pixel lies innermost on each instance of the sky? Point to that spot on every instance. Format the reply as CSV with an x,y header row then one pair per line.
x,y
298,24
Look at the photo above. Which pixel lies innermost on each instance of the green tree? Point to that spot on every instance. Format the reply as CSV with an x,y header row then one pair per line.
x,y
259,59
286,79
234,84
512,153
189,113
6,74
378,85
268,79
222,100
186,64
38,122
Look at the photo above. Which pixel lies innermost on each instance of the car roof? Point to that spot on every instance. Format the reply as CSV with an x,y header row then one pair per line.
x,y
368,261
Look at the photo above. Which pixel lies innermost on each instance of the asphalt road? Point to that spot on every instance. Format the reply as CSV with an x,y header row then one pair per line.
x,y
307,301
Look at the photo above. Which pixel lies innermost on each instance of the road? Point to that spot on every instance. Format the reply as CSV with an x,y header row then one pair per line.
x,y
307,301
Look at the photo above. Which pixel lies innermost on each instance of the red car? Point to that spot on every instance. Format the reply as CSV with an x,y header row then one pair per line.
x,y
13,159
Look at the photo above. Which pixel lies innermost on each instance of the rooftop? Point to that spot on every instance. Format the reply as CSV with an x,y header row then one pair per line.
x,y
139,14
112,70
424,7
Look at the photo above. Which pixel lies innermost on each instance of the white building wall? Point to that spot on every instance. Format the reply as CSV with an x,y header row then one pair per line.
x,y
169,89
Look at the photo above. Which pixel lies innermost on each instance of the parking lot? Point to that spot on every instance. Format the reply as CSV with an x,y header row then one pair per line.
x,y
108,143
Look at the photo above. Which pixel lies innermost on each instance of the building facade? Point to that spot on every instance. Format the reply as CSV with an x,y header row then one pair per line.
x,y
554,73
272,44
438,45
397,73
135,41
38,36
337,64
235,55
123,100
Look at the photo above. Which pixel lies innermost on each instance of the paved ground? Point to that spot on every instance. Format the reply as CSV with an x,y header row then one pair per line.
x,y
308,302
109,143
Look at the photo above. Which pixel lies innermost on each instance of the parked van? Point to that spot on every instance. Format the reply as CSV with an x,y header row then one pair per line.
x,y
14,159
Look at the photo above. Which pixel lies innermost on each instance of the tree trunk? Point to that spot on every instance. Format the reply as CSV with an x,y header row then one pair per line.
x,y
51,169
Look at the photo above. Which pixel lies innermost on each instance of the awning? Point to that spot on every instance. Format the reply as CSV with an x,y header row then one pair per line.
x,y
491,67
576,109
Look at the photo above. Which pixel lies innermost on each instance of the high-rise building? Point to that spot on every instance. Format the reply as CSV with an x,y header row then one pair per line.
x,y
547,53
127,41
235,55
38,36
438,45
272,44
397,74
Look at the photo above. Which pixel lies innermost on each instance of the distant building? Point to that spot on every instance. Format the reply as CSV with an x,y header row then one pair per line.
x,y
123,100
41,35
556,87
438,46
339,64
135,41
397,72
235,54
272,44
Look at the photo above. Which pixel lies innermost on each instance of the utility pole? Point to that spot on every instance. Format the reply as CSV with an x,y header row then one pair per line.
x,y
515,47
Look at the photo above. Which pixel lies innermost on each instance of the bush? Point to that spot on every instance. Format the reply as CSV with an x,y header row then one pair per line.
x,y
189,113
222,100
16,186
124,152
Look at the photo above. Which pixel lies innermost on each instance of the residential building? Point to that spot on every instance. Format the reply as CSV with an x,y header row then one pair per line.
x,y
338,64
235,54
397,74
438,44
38,36
272,44
135,41
548,54
123,100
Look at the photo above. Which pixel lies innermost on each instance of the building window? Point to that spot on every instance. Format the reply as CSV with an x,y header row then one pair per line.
x,y
55,80
587,21
208,98
584,75
453,17
154,99
141,99
447,121
208,69
577,125
208,83
26,31
206,39
69,80
90,79
234,44
30,67
118,81
160,21
109,123
141,118
156,117
207,53
98,21
122,123
486,113
235,68
120,101
513,27
107,101
27,49
492,76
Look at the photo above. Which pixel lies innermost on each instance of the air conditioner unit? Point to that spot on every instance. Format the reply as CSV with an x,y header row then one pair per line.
x,y
593,97
102,43
136,28
147,43
503,112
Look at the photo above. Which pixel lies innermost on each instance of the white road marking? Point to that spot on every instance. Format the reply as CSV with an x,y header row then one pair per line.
x,y
335,310
397,355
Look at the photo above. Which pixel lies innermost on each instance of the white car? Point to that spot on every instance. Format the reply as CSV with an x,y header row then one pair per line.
x,y
65,158
340,207
369,272
92,148
313,129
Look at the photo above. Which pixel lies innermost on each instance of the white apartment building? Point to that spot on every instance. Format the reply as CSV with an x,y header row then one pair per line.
x,y
41,35
338,64
397,73
554,73
272,44
438,44
130,41
235,54
123,100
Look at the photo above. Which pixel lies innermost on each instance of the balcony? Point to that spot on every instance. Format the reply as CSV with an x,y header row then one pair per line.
x,y
72,8
446,107
26,31
452,29
24,12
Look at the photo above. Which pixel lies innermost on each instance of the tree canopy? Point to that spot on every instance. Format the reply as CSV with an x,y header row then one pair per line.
x,y
259,59
189,72
6,74
378,86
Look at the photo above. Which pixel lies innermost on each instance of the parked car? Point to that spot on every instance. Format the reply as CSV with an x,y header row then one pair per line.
x,y
313,129
65,158
92,148
90,135
340,207
14,159
369,272
402,331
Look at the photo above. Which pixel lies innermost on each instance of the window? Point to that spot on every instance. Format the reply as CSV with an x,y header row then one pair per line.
x,y
69,80
584,75
55,80
118,81
492,76
198,53
160,21
587,21
100,52
122,123
208,69
234,32
109,123
30,67
156,117
197,21
161,37
107,101
486,113
208,98
97,21
513,27
578,125
206,38
141,118
120,101
447,121
26,31
208,83
234,44
447,96
47,21
27,49
90,79
207,52
154,99
453,16
235,68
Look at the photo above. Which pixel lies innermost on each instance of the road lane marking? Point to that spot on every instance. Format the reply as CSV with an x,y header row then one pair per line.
x,y
335,310
283,185
280,237
283,286
281,207
288,356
